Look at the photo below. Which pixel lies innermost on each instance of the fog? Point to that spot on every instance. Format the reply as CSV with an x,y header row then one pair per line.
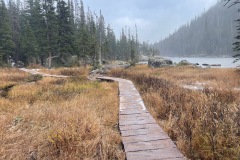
x,y
155,19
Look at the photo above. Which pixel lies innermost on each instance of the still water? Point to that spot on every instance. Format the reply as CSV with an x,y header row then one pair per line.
x,y
225,62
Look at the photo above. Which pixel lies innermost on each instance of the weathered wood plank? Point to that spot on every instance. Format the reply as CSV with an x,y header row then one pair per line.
x,y
152,145
144,131
142,137
135,127
166,153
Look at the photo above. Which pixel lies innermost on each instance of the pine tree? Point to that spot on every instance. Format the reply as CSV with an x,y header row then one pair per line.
x,y
38,24
71,10
73,24
83,36
14,13
111,44
29,45
92,39
137,43
51,31
129,45
133,56
124,46
65,32
101,36
43,30
6,43
237,43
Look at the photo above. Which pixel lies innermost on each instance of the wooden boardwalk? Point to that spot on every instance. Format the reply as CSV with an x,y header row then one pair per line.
x,y
142,137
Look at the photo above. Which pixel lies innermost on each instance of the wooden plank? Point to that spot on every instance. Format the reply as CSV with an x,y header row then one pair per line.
x,y
132,111
166,153
129,119
142,137
137,122
136,127
152,145
143,131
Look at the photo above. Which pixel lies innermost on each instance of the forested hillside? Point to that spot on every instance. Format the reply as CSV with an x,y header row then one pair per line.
x,y
210,34
40,31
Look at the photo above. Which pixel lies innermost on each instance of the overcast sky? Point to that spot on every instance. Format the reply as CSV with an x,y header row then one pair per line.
x,y
155,18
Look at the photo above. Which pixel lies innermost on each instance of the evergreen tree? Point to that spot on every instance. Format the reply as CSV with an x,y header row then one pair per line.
x,y
124,46
6,43
210,34
38,21
83,36
65,32
237,42
46,29
101,36
29,45
92,40
137,43
71,10
111,44
129,45
14,13
51,31
133,56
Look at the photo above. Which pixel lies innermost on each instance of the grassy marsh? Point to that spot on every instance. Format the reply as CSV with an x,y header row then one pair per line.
x,y
55,118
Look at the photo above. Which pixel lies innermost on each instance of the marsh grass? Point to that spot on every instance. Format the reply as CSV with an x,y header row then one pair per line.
x,y
10,77
73,71
212,77
204,124
54,118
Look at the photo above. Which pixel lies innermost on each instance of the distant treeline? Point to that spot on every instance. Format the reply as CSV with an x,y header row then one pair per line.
x,y
40,31
211,34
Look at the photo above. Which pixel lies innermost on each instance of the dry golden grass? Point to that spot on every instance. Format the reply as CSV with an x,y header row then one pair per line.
x,y
10,77
205,124
73,71
60,119
187,75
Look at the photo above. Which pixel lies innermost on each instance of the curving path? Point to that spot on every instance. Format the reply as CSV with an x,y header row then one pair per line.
x,y
142,137
35,71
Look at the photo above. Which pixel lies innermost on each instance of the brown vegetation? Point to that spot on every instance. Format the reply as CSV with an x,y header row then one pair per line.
x,y
59,118
187,75
77,71
205,124
9,77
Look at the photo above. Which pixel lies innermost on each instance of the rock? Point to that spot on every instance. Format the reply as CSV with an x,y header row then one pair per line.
x,y
205,64
19,64
117,64
211,65
186,63
33,155
143,58
106,68
104,61
216,65
158,62
99,71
